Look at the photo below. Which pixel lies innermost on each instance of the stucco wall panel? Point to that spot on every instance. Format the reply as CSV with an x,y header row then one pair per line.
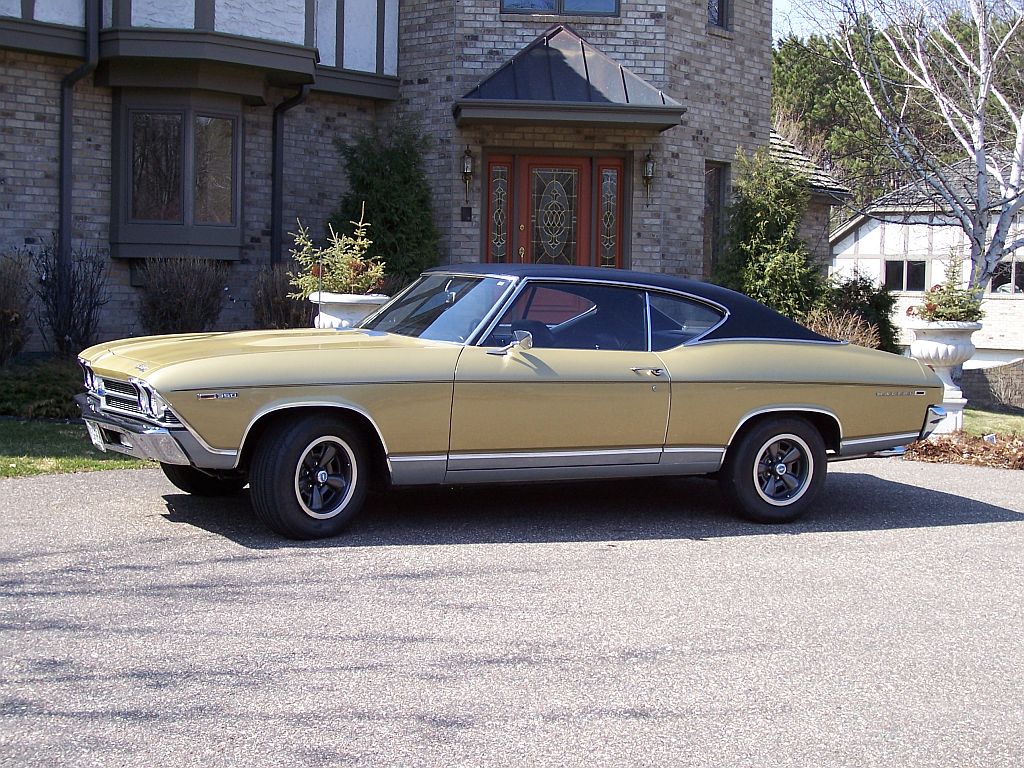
x,y
360,45
168,14
70,12
283,20
327,31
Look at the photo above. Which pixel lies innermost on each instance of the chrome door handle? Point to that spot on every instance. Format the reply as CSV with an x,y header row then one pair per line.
x,y
649,371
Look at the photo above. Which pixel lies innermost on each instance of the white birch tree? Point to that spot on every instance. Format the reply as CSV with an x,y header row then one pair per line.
x,y
943,79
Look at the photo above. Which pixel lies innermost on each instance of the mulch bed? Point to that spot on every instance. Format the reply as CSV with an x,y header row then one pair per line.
x,y
1005,453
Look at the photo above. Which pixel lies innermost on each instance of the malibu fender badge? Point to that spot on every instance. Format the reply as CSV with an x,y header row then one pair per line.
x,y
217,395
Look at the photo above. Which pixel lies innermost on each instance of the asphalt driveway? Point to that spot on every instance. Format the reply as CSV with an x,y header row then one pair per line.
x,y
616,624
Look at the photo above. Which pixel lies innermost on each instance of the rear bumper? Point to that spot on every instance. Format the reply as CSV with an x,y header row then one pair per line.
x,y
936,413
888,446
142,440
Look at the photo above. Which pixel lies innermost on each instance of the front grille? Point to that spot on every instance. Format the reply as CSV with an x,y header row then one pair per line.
x,y
122,397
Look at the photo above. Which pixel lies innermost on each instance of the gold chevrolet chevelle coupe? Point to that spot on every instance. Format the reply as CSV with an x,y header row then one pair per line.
x,y
501,373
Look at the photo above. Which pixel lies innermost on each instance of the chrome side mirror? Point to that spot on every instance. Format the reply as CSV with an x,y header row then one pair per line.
x,y
521,339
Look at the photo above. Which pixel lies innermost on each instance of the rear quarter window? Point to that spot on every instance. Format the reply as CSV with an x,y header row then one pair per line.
x,y
676,320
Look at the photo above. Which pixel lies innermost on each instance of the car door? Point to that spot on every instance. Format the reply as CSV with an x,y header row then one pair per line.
x,y
588,393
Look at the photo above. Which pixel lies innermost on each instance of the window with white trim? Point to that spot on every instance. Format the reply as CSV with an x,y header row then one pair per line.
x,y
905,275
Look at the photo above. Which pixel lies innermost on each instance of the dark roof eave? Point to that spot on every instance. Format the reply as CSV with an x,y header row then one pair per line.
x,y
480,111
838,194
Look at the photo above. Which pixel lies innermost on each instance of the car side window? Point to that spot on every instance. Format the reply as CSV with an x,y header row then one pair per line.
x,y
676,320
576,316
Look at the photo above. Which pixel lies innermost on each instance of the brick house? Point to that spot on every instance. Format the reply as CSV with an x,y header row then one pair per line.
x,y
574,131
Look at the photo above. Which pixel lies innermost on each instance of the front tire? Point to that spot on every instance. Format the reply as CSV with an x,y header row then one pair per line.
x,y
309,479
198,483
774,472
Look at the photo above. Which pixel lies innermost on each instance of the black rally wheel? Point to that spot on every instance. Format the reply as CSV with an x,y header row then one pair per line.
x,y
776,469
308,479
193,481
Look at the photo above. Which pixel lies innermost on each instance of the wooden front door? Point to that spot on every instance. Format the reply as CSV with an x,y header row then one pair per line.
x,y
554,210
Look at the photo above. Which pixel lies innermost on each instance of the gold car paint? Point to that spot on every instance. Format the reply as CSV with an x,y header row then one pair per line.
x,y
525,400
550,399
403,384
412,418
716,385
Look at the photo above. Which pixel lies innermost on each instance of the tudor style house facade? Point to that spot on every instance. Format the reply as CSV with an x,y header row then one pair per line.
x,y
905,242
571,131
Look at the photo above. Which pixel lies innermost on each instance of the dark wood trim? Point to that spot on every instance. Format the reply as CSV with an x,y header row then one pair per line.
x,y
28,9
37,37
286,64
184,75
348,83
309,34
206,15
480,111
122,13
140,239
339,35
381,10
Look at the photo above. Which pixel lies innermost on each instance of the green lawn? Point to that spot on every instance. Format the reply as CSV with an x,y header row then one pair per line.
x,y
981,423
44,447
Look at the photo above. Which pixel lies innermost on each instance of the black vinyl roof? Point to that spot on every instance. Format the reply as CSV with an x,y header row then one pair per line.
x,y
748,319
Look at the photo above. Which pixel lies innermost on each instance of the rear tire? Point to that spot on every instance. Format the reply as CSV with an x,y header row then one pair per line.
x,y
309,479
198,483
774,472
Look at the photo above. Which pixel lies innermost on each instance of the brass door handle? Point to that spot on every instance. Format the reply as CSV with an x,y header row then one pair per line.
x,y
522,254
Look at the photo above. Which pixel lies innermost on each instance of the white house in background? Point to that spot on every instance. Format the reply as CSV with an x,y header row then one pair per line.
x,y
906,244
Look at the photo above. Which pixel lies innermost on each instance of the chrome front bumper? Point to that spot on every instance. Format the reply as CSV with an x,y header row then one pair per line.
x,y
137,438
132,438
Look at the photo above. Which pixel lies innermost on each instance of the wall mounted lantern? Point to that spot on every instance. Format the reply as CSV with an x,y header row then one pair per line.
x,y
648,172
467,170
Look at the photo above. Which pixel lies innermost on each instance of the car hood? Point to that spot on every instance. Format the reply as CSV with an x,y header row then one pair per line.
x,y
156,351
149,354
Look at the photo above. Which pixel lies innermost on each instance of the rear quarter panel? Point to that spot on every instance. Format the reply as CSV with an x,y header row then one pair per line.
x,y
716,385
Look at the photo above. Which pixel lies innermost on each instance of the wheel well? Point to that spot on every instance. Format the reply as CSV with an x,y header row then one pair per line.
x,y
371,438
826,424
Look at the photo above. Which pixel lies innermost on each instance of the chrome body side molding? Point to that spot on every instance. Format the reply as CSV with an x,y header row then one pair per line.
x,y
538,459
418,470
867,446
693,461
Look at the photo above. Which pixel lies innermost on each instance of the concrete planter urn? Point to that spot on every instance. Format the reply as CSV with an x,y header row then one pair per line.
x,y
343,310
942,345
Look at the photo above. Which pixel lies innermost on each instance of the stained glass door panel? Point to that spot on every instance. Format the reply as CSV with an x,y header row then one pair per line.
x,y
554,210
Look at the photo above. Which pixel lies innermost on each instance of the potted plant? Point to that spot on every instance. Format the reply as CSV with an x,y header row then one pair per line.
x,y
339,278
944,323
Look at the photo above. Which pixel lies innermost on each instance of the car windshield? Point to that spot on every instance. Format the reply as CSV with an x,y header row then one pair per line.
x,y
441,307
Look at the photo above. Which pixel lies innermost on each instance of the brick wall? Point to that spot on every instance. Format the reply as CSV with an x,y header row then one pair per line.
x,y
814,230
29,156
1001,386
721,77
29,169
